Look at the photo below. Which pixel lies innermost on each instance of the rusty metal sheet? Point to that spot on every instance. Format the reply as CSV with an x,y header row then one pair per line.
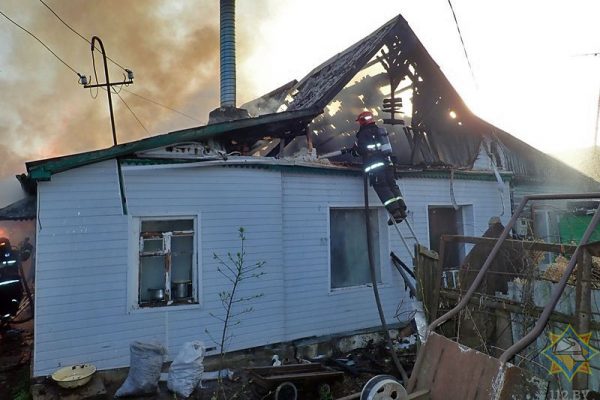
x,y
270,377
452,371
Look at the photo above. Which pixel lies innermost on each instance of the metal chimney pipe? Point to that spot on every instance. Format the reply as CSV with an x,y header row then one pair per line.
x,y
228,53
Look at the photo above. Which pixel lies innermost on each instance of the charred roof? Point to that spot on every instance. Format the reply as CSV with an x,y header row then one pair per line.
x,y
389,65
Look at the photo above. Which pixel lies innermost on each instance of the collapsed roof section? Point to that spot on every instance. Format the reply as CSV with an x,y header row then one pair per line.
x,y
290,123
391,74
388,72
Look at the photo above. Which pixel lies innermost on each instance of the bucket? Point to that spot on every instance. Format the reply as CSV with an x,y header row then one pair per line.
x,y
181,289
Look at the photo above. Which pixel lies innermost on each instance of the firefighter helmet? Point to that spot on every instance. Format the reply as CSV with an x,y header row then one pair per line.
x,y
365,118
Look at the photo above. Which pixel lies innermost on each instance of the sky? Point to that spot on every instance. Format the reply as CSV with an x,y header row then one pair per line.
x,y
529,75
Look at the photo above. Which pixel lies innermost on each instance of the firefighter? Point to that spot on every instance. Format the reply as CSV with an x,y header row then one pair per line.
x,y
373,146
11,289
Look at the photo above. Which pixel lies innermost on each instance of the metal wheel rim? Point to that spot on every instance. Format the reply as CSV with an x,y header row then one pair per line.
x,y
383,387
286,385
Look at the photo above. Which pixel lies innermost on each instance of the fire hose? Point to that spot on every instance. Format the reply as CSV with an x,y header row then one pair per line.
x,y
384,326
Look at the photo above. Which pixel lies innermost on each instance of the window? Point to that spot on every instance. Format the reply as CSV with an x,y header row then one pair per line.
x,y
167,261
348,247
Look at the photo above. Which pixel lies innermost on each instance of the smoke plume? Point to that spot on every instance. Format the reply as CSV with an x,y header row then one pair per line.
x,y
172,47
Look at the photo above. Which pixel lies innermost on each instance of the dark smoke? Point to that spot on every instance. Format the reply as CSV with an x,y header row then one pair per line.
x,y
172,47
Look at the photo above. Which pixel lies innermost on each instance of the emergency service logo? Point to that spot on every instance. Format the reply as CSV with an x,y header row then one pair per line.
x,y
570,353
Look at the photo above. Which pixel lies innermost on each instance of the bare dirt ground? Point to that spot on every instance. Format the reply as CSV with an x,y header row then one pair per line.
x,y
15,356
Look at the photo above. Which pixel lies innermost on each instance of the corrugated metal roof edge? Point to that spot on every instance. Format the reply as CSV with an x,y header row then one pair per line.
x,y
43,169
290,164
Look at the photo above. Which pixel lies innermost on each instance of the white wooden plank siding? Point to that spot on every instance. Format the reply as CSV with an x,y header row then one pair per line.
x,y
83,253
312,308
84,247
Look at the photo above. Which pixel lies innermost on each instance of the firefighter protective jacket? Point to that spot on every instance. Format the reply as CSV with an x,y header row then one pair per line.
x,y
373,145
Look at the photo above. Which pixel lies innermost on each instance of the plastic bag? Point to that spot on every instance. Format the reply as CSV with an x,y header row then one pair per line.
x,y
186,369
144,370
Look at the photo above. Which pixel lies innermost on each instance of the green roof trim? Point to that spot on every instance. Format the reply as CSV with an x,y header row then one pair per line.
x,y
277,125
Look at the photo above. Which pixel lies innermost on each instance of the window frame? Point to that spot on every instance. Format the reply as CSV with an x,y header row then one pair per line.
x,y
134,303
384,246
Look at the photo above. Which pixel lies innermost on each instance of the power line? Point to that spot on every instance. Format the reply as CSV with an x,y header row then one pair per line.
x,y
42,43
116,63
77,33
462,42
135,116
162,105
74,71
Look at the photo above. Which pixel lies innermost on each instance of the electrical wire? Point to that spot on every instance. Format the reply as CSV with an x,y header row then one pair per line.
x,y
114,62
135,116
162,105
42,43
462,42
115,91
77,33
94,96
93,62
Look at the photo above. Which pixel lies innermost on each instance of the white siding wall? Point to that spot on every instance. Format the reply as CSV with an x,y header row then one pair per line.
x,y
312,308
82,257
83,248
484,196
81,271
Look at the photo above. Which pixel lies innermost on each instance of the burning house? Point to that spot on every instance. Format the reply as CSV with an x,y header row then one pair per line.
x,y
121,230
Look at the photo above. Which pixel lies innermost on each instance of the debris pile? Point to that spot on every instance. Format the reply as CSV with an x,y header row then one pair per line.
x,y
556,270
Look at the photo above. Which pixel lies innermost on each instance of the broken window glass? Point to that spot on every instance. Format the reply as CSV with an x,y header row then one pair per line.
x,y
166,267
348,247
